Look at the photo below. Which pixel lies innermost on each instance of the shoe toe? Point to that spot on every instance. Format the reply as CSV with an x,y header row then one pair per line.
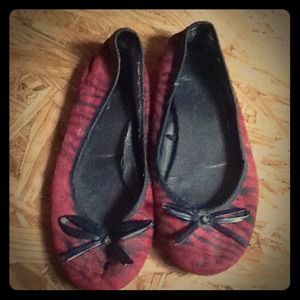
x,y
95,270
205,252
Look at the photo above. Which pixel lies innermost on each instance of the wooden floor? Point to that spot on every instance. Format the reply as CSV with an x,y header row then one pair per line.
x,y
47,51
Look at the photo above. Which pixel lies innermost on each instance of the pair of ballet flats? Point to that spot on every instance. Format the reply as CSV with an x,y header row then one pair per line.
x,y
176,164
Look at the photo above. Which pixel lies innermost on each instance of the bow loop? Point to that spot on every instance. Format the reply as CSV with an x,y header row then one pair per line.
x,y
181,212
130,229
232,215
75,227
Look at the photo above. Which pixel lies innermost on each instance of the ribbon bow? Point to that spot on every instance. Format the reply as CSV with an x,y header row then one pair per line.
x,y
83,228
215,219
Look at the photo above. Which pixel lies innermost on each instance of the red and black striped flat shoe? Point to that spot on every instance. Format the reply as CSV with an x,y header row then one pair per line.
x,y
204,176
102,207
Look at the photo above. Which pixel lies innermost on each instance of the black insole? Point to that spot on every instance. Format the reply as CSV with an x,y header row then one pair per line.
x,y
200,158
107,177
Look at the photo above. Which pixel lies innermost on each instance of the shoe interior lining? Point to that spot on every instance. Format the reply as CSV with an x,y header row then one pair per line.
x,y
108,176
199,158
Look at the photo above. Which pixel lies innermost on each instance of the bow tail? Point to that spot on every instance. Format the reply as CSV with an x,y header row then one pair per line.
x,y
121,254
75,252
182,236
80,250
230,234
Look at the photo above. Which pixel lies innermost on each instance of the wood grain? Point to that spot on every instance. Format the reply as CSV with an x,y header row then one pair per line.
x,y
47,51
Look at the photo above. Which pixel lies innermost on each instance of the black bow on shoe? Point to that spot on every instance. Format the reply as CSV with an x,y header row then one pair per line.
x,y
215,219
83,228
